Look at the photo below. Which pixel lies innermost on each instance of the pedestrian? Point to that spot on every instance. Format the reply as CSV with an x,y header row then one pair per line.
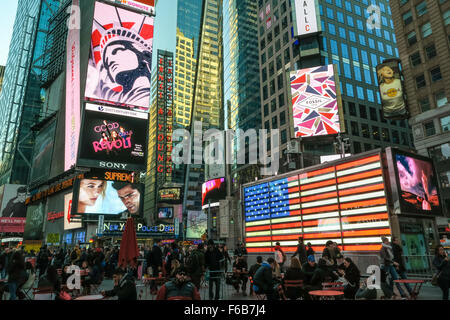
x,y
279,256
179,288
397,251
252,271
195,265
263,282
309,249
240,275
213,257
301,251
17,274
4,263
389,265
155,261
42,260
352,275
329,254
441,263
226,256
294,272
124,286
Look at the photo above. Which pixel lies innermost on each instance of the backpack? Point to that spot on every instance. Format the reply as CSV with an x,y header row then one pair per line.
x,y
192,263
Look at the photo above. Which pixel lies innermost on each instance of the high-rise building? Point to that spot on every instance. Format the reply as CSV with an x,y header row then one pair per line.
x,y
2,74
353,47
21,98
423,36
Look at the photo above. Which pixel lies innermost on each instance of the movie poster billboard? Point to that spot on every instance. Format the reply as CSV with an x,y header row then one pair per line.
x,y
146,6
316,102
43,152
197,224
417,184
113,198
120,60
35,222
306,18
390,85
113,138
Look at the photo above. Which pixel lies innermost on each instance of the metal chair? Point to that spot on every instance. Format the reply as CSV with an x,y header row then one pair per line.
x,y
337,286
290,284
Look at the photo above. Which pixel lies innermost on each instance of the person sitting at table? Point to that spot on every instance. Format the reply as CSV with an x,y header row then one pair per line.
x,y
94,276
276,274
309,268
263,282
240,274
321,274
124,286
179,288
352,274
294,272
51,280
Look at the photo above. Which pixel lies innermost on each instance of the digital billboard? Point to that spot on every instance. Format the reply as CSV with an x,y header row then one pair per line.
x,y
418,184
113,138
169,195
68,224
316,102
120,60
307,19
147,6
43,152
344,202
197,224
390,85
165,213
34,223
114,198
13,201
214,190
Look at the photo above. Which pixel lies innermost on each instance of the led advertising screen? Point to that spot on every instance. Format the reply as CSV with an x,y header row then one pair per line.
x,y
418,185
307,21
68,224
197,224
114,198
113,138
147,6
213,191
43,151
169,195
165,213
316,102
35,222
120,60
390,85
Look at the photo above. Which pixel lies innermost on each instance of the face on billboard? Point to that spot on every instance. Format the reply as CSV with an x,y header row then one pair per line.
x,y
315,102
13,204
120,60
113,138
213,190
418,185
100,197
391,90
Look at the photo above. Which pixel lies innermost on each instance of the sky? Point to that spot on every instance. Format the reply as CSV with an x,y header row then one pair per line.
x,y
8,10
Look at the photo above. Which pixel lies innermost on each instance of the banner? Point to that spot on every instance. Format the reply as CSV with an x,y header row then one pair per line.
x,y
35,222
119,70
307,20
147,6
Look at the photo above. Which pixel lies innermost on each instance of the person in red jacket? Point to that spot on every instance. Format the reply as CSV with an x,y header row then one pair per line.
x,y
179,289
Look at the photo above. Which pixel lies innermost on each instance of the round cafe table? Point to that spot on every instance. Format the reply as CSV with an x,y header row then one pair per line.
x,y
91,297
417,286
326,294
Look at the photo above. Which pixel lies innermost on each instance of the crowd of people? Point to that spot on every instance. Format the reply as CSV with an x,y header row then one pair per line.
x,y
185,267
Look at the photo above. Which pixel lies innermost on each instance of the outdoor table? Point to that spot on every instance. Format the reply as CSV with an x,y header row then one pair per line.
x,y
326,294
417,286
91,297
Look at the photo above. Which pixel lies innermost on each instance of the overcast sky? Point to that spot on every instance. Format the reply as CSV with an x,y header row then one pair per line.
x,y
8,10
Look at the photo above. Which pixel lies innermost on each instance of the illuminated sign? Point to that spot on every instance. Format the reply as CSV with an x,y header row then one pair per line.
x,y
169,194
52,216
68,224
213,190
307,19
147,6
110,227
53,189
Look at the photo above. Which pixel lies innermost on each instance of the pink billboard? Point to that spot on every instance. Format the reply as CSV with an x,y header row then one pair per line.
x,y
73,103
119,70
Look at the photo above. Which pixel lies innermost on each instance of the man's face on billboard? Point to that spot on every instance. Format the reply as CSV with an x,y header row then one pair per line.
x,y
21,197
131,198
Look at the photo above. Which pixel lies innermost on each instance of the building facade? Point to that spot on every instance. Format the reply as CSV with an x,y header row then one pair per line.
x,y
2,74
423,28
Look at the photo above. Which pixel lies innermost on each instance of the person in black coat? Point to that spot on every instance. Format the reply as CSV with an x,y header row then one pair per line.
x,y
213,257
301,251
442,264
321,274
309,268
352,274
155,260
50,280
294,272
397,250
124,286
263,282
17,275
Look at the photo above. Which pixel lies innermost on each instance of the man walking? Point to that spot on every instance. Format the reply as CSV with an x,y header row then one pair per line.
x,y
212,261
389,265
397,250
155,259
301,251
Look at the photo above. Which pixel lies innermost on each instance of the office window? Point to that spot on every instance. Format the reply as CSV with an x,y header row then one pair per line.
x,y
269,37
376,132
373,114
277,45
281,100
284,23
371,43
339,3
359,25
334,48
331,29
271,69
267,125
283,137
350,21
402,2
358,10
395,137
441,99
348,6
354,128
266,110
436,74
431,51
347,70
279,62
270,52
263,58
357,72
387,35
352,109
420,81
286,38
272,87
264,75
440,152
380,46
340,17
383,22
385,134
282,118
446,17
407,18
360,92
370,95
415,59
389,50
342,33
426,30
355,55
274,122
421,8
429,128
424,104
345,51
287,55
445,124
330,13
362,40
273,105
350,90
352,36
357,146
365,130
412,38
265,93
367,147
362,111
280,81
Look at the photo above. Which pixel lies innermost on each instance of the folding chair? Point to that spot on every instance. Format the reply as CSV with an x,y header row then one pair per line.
x,y
337,286
27,288
291,284
43,294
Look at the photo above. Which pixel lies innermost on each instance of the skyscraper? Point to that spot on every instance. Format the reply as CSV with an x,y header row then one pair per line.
x,y
353,47
422,29
2,74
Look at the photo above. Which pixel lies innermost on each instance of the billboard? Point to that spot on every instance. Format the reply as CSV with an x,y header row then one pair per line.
x,y
35,222
113,138
119,70
197,224
68,224
114,198
169,195
147,6
417,184
43,151
165,213
307,21
316,102
214,190
13,201
390,85
73,101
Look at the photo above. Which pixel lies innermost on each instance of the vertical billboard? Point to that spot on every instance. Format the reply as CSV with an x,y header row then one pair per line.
x,y
68,224
73,101
307,21
316,102
197,224
390,85
43,151
35,222
113,138
120,60
13,210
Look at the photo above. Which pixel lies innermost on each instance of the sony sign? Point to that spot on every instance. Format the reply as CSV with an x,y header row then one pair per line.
x,y
113,165
306,16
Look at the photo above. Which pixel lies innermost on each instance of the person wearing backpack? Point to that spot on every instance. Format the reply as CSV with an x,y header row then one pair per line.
x,y
280,256
195,263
